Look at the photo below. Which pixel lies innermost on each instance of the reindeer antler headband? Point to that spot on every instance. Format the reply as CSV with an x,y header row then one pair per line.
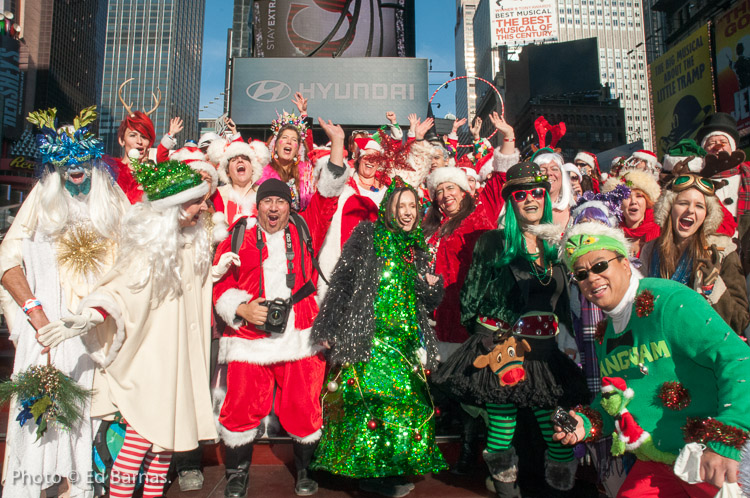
x,y
128,108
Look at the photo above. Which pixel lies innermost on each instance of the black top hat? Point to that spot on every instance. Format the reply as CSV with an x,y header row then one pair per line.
x,y
524,176
719,121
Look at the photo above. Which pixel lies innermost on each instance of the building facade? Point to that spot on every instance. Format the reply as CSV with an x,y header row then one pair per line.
x,y
465,65
159,44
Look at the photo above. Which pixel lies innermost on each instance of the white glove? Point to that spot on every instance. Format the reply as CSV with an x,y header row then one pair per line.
x,y
56,332
225,261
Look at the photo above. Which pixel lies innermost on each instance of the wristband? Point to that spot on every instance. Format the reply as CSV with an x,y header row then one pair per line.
x,y
511,139
31,304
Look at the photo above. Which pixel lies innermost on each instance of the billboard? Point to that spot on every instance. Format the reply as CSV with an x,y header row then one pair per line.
x,y
11,88
732,34
333,28
682,89
348,91
519,22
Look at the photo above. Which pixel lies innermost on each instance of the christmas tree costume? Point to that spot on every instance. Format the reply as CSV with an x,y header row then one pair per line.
x,y
681,364
523,301
378,414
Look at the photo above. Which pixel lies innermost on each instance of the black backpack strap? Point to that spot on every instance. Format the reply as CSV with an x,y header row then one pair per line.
x,y
303,292
306,238
238,234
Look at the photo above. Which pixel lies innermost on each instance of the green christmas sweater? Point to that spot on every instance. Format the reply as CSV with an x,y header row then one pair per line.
x,y
682,339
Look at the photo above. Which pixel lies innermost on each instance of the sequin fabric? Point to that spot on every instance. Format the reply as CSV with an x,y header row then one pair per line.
x,y
378,416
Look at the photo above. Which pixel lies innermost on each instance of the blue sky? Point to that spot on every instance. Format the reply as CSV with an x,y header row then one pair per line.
x,y
435,21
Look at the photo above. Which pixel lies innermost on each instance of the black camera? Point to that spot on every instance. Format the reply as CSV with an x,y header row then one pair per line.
x,y
564,420
278,314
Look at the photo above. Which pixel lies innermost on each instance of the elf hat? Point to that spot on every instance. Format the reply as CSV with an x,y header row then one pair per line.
x,y
256,151
447,174
616,384
169,184
635,179
684,149
719,123
590,236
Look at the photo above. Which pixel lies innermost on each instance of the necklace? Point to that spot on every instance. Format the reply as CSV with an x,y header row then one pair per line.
x,y
410,259
546,273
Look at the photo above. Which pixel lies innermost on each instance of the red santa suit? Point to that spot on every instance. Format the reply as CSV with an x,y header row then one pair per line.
x,y
125,179
629,431
257,360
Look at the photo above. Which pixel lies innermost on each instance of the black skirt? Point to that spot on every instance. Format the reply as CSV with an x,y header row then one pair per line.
x,y
552,378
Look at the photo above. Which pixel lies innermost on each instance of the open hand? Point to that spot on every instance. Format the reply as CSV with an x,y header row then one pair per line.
x,y
333,131
230,125
502,125
301,103
476,128
423,128
175,126
458,124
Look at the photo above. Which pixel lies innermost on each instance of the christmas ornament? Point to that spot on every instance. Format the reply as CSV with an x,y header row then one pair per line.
x,y
674,395
333,386
350,382
644,304
372,424
82,250
702,431
417,436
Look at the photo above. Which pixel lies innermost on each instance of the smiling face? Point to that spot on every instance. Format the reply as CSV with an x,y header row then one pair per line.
x,y
553,171
240,170
472,185
530,210
605,289
404,209
634,208
366,168
448,196
191,212
688,214
273,214
287,145
437,159
718,143
77,175
133,140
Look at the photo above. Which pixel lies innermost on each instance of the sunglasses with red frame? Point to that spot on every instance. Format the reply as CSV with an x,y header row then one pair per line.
x,y
536,193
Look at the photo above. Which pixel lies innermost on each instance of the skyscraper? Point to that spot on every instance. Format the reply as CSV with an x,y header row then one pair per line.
x,y
618,25
158,43
465,88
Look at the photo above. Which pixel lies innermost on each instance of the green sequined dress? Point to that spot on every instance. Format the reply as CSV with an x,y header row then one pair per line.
x,y
380,420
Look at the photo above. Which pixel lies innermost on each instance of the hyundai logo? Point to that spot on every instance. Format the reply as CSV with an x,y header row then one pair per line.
x,y
268,91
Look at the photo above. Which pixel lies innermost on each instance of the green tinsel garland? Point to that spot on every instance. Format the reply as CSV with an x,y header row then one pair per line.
x,y
45,395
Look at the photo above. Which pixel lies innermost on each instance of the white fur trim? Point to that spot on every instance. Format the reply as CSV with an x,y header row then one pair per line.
x,y
235,439
216,150
572,168
220,230
714,213
420,159
635,444
256,151
181,197
607,389
732,143
309,439
292,345
207,139
447,174
168,142
93,346
645,156
641,180
330,251
470,173
669,162
184,154
226,306
547,231
591,228
328,185
628,393
586,158
203,166
501,162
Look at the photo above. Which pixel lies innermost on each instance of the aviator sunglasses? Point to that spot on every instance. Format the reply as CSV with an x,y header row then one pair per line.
x,y
600,267
536,193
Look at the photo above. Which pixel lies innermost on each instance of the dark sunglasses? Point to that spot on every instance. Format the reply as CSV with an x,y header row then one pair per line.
x,y
536,193
600,267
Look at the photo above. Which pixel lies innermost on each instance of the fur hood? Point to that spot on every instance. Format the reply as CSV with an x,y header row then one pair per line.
x,y
714,213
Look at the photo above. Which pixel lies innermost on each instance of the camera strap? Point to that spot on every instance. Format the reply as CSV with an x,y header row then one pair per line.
x,y
260,244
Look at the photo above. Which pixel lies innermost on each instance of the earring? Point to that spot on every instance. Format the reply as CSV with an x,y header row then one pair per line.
x,y
296,161
275,155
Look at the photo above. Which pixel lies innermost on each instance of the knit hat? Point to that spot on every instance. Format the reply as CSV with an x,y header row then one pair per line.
x,y
447,174
256,151
635,179
170,183
719,123
616,384
684,149
590,236
273,187
588,158
524,176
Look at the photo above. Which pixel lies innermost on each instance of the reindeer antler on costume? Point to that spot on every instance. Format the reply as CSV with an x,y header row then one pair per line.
x,y
542,127
129,107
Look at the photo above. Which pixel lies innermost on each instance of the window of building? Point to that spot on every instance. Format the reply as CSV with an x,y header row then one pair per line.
x,y
578,21
614,22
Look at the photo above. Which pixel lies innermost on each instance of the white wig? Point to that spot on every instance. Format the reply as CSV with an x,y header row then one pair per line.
x,y
105,208
151,242
565,199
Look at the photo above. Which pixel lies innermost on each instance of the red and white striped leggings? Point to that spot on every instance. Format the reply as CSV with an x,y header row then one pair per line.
x,y
124,475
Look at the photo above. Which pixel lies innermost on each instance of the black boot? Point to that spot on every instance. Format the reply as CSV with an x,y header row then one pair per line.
x,y
237,466
303,453
503,467
561,476
467,459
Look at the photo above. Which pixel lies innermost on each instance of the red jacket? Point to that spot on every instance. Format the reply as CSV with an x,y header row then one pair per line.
x,y
125,179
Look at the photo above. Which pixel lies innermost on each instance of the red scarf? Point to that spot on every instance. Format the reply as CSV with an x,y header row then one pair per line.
x,y
646,231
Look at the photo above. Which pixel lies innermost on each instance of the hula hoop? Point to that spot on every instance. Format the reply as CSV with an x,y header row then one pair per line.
x,y
502,104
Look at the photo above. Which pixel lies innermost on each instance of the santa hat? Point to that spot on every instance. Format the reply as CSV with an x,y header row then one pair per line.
x,y
256,151
447,174
470,172
652,164
367,146
637,179
572,168
612,384
588,158
684,149
188,152
207,138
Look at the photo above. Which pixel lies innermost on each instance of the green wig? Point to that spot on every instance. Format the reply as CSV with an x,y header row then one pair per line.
x,y
515,244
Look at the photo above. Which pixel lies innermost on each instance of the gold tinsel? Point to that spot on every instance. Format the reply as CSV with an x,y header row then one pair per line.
x,y
82,250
